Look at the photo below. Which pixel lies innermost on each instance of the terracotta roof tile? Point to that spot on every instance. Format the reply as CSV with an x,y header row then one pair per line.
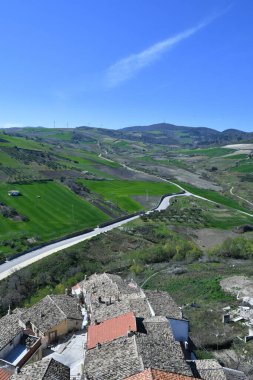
x,y
154,374
4,375
111,329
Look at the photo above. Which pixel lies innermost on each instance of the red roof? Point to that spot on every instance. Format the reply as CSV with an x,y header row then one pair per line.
x,y
111,329
155,374
4,374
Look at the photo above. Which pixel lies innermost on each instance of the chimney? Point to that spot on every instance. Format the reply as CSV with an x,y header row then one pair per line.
x,y
9,310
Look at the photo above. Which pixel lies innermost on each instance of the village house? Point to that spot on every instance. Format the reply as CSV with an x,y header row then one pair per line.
x,y
52,317
46,369
151,346
155,347
17,345
111,329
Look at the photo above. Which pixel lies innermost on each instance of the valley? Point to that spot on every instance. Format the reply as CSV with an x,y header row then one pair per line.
x,y
73,184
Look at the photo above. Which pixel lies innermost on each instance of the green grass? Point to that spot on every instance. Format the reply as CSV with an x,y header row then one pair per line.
x,y
21,142
53,211
237,157
121,192
213,196
244,167
210,152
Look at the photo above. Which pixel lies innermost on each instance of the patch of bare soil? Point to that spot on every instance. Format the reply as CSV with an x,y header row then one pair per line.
x,y
209,237
239,146
185,176
238,284
124,173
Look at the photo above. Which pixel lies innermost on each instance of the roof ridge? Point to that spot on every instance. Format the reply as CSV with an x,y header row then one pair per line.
x,y
47,368
58,307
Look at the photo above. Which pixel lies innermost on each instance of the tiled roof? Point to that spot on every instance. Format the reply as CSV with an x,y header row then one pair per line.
x,y
51,311
127,356
232,374
4,374
115,360
102,311
158,349
9,328
46,369
154,374
163,304
108,285
210,369
111,329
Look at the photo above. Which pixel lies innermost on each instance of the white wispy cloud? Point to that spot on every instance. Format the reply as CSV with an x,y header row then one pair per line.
x,y
128,67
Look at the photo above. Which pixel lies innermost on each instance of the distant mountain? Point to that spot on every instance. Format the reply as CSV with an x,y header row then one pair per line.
x,y
164,133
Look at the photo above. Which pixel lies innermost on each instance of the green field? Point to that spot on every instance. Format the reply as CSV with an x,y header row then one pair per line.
x,y
243,167
213,196
121,192
52,209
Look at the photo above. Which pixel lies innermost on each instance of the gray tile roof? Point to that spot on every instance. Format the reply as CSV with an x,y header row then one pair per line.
x,y
46,369
232,374
51,311
163,304
210,369
108,285
9,328
159,350
102,311
113,361
127,356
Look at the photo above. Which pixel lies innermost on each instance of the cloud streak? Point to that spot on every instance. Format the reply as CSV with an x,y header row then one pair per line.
x,y
128,67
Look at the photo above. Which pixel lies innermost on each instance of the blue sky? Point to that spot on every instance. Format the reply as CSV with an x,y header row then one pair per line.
x,y
117,63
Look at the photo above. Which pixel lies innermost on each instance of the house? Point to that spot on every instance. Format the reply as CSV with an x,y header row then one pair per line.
x,y
111,329
17,345
53,316
107,288
152,346
163,304
14,193
210,369
46,369
107,296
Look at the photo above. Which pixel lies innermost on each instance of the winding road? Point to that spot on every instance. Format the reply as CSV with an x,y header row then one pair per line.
x,y
12,266
238,196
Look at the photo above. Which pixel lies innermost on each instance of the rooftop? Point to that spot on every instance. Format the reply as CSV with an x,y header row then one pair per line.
x,y
9,328
163,304
109,285
154,374
158,349
46,369
115,360
111,329
102,310
127,356
210,369
51,310
5,374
